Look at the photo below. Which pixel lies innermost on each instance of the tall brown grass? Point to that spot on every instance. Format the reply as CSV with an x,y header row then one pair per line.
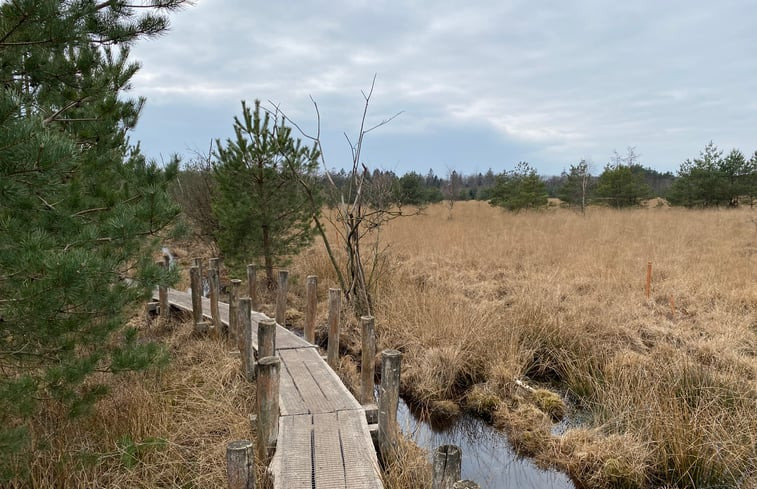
x,y
156,429
661,393
665,388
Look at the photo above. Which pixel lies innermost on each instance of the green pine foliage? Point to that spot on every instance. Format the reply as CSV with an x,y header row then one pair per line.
x,y
619,186
577,185
521,188
80,208
713,180
262,178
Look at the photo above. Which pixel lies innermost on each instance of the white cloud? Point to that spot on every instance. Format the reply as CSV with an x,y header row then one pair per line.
x,y
565,80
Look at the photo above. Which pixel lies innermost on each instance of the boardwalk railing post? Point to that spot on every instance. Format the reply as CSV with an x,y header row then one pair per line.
x,y
281,298
266,343
252,285
240,464
245,338
163,293
312,307
234,309
389,395
266,338
268,405
214,284
445,467
335,309
367,361
196,284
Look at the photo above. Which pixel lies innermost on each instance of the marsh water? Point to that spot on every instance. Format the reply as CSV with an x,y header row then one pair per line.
x,y
487,457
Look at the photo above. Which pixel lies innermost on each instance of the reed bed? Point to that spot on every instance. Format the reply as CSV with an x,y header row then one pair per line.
x,y
660,391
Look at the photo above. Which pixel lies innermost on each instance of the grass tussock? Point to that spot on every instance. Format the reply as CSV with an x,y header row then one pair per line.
x,y
410,469
665,386
155,429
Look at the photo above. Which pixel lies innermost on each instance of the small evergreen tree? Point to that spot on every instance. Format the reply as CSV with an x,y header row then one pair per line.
x,y
413,189
621,187
577,185
260,201
713,180
519,189
78,206
621,184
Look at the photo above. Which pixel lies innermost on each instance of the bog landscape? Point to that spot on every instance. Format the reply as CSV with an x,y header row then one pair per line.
x,y
597,328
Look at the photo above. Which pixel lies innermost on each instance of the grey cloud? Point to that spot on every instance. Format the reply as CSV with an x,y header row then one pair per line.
x,y
558,81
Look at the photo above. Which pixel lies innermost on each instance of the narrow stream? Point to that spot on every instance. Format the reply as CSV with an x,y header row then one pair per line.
x,y
487,457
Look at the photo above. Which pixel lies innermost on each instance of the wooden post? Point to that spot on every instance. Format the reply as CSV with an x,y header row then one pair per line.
x,y
203,327
240,464
466,484
163,292
335,309
245,338
281,298
252,285
266,343
266,338
648,288
234,310
268,405
196,284
389,396
445,467
214,281
312,308
367,361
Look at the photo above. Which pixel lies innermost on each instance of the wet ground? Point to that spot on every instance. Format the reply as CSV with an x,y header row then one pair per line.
x,y
487,457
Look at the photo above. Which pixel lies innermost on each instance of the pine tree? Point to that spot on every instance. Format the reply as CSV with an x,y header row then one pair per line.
x,y
260,200
78,205
521,188
621,184
577,185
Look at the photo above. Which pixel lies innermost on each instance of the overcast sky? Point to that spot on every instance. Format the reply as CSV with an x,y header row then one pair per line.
x,y
482,85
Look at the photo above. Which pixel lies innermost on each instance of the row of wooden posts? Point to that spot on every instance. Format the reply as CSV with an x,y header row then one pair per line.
x,y
266,371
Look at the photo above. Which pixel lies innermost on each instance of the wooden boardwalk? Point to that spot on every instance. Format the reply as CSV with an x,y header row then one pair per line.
x,y
323,441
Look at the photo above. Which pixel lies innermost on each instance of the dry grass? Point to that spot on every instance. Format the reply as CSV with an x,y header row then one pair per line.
x,y
557,298
666,387
166,429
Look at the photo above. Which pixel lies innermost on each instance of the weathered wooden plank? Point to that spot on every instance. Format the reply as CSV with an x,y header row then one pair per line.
x,y
328,457
291,400
311,392
292,466
331,385
357,446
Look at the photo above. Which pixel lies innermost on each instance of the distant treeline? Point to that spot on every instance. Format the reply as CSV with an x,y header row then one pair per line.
x,y
710,180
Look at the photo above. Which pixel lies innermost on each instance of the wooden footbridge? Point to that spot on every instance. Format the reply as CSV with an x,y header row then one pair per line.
x,y
323,435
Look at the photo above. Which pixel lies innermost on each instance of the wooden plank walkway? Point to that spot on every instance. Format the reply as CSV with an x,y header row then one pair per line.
x,y
324,441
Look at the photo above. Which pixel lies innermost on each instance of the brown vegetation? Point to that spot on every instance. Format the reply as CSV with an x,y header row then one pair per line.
x,y
156,429
666,386
664,389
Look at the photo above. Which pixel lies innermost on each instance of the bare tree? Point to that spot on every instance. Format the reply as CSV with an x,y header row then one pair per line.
x,y
451,190
192,190
359,212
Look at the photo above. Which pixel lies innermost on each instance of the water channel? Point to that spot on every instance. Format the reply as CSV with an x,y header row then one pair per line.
x,y
487,457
